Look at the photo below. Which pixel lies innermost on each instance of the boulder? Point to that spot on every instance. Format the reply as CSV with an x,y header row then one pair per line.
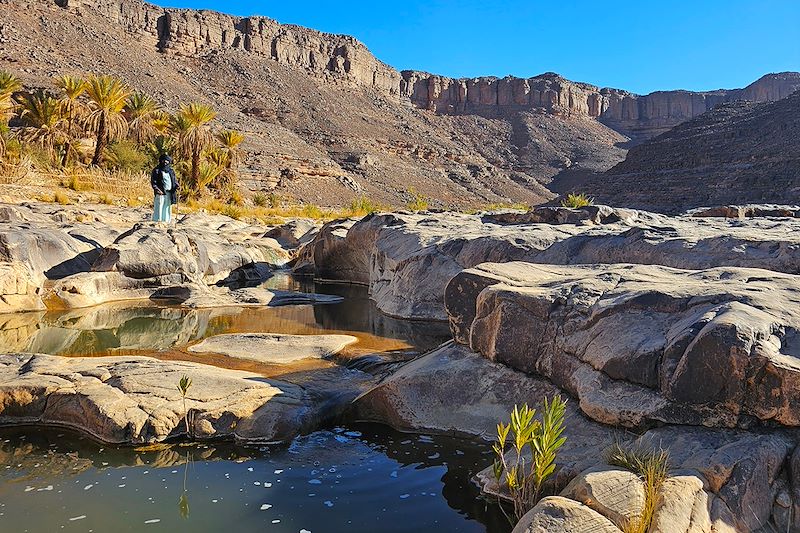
x,y
93,288
590,214
87,289
639,344
18,290
740,468
136,400
451,390
48,251
294,233
203,256
614,492
747,211
562,515
274,348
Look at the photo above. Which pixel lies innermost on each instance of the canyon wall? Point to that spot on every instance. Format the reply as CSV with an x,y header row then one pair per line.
x,y
342,58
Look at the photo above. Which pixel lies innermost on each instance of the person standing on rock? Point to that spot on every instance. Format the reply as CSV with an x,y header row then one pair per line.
x,y
165,189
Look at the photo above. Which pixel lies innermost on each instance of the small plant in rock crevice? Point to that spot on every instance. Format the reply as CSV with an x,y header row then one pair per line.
x,y
652,467
575,200
522,476
183,386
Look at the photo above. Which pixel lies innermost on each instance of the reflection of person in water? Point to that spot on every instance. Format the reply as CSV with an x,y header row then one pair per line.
x,y
165,189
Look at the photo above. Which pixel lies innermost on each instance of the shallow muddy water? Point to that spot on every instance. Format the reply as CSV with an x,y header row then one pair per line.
x,y
360,478
140,328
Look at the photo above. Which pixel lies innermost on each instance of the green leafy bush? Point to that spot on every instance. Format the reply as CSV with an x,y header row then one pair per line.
x,y
260,199
127,157
418,201
523,477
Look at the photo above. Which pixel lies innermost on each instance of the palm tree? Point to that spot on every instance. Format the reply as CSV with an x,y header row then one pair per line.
x,y
142,112
162,122
43,120
229,141
9,84
207,173
72,88
195,135
107,98
161,144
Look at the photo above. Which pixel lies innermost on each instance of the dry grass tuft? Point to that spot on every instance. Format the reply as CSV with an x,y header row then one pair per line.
x,y
652,466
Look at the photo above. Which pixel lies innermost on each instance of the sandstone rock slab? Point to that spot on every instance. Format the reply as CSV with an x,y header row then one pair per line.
x,y
136,399
637,343
451,390
408,259
562,515
274,348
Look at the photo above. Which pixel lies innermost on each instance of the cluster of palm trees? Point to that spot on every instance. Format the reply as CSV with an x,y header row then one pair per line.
x,y
103,111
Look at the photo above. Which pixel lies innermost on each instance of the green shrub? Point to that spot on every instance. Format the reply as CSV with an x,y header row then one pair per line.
x,y
126,156
575,200
275,200
542,438
260,199
362,206
233,211
312,211
61,198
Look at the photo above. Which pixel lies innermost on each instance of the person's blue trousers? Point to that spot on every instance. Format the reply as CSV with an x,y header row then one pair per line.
x,y
162,208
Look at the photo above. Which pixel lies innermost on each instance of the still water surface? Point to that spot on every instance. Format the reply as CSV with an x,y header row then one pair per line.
x,y
349,478
360,478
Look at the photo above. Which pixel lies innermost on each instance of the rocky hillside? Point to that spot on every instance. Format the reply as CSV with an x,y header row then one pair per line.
x,y
738,153
327,121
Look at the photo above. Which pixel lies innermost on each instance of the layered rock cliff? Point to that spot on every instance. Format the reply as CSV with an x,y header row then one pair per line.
x,y
741,152
194,33
325,121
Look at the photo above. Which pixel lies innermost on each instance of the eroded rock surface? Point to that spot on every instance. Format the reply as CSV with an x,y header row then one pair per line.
x,y
408,259
639,344
720,481
452,390
136,399
76,256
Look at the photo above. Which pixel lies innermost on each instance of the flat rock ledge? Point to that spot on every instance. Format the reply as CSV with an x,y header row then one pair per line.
x,y
274,348
132,400
641,345
408,259
111,254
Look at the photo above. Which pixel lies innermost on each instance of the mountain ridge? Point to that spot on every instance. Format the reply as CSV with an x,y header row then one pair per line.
x,y
182,31
738,153
326,121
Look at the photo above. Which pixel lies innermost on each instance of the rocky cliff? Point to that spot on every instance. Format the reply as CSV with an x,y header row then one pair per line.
x,y
326,121
194,33
740,152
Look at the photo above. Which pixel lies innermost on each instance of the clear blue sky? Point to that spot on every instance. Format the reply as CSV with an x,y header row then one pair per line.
x,y
640,46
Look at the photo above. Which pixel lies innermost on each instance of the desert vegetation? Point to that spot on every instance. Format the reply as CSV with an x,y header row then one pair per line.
x,y
522,466
96,130
575,200
652,467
